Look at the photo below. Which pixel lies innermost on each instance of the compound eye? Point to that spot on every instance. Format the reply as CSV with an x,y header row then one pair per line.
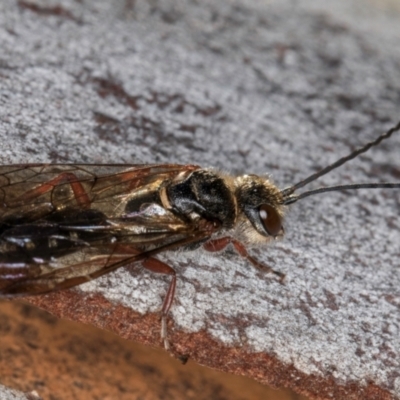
x,y
270,219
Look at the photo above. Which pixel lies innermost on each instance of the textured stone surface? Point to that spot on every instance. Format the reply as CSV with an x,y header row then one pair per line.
x,y
254,87
11,394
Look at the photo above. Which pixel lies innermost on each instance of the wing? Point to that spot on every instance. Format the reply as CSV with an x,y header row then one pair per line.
x,y
62,225
31,191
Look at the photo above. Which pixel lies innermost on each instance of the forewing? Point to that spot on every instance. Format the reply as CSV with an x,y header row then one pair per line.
x,y
32,191
54,235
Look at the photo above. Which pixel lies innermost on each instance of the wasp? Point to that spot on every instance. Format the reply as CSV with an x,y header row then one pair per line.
x,y
62,225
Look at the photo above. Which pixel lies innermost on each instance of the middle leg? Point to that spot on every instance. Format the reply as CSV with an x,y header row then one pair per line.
x,y
159,267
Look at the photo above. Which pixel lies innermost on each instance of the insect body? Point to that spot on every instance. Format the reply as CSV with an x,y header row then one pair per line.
x,y
63,225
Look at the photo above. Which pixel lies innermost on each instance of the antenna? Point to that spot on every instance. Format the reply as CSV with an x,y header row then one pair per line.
x,y
289,197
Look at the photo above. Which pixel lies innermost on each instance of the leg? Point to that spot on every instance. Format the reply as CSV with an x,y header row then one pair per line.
x,y
159,267
80,194
220,243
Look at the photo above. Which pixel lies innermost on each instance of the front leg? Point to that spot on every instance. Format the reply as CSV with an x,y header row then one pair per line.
x,y
219,244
